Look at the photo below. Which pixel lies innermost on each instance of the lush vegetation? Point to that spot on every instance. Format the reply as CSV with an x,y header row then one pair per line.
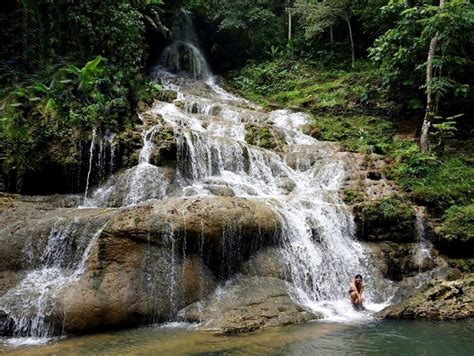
x,y
363,70
68,68
457,233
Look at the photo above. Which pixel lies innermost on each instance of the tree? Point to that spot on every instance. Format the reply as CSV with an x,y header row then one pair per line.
x,y
430,109
260,23
317,16
446,33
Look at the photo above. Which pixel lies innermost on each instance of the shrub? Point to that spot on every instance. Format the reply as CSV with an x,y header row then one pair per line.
x,y
456,234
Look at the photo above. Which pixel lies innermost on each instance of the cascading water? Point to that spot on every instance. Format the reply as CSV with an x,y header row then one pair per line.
x,y
183,55
102,151
423,252
31,303
214,157
91,159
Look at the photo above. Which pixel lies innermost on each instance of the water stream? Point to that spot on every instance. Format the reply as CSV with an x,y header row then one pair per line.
x,y
300,182
423,251
375,338
63,260
221,143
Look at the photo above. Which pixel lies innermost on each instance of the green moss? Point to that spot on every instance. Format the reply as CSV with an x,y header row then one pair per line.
x,y
348,107
438,182
357,133
350,196
167,95
263,137
456,234
307,86
390,208
463,264
386,219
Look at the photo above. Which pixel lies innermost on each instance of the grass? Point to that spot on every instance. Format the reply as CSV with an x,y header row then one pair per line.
x,y
456,234
346,106
350,107
437,181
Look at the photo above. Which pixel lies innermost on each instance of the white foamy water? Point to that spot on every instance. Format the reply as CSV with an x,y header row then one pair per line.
x,y
30,304
301,182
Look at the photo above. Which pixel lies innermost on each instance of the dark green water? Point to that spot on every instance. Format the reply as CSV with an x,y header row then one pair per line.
x,y
377,338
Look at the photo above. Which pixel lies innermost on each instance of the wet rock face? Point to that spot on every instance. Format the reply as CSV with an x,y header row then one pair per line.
x,y
225,230
439,300
247,304
267,262
129,283
116,192
26,224
399,260
165,145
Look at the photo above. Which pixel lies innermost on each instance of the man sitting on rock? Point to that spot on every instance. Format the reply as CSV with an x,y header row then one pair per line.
x,y
355,292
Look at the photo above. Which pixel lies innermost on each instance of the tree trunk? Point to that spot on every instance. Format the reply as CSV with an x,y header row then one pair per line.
x,y
289,25
331,36
429,113
349,27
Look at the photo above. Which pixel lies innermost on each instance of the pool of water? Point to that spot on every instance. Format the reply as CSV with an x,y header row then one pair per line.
x,y
317,338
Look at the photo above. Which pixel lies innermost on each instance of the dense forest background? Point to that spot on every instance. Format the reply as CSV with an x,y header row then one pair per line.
x,y
372,73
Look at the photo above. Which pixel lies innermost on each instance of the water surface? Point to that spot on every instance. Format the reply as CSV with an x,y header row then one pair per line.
x,y
317,338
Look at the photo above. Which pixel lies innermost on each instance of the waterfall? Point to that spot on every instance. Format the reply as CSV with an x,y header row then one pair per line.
x,y
31,303
91,159
183,55
214,157
102,151
423,253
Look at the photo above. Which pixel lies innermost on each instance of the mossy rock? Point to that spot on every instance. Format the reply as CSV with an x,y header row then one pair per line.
x,y
463,264
166,148
386,219
351,196
455,236
264,136
167,96
398,260
130,143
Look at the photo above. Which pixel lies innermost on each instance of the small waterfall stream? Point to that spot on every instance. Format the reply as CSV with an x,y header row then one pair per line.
x,y
102,151
423,252
63,260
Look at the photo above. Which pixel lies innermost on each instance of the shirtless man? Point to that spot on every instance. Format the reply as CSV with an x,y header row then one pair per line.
x,y
355,292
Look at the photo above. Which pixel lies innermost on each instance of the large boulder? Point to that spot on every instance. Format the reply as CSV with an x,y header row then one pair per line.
x,y
129,283
156,258
439,300
148,261
385,219
224,230
246,304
